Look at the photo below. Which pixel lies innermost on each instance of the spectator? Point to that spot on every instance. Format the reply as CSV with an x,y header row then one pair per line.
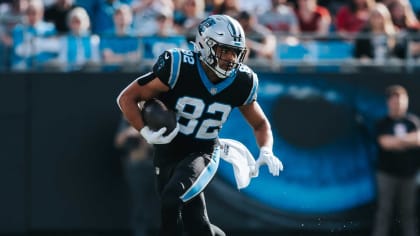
x,y
260,41
177,10
58,13
408,44
212,5
256,7
402,15
192,13
407,24
227,7
281,18
79,48
145,15
11,14
352,17
29,49
333,6
165,37
93,7
123,21
398,137
136,157
120,48
165,24
377,39
313,19
102,18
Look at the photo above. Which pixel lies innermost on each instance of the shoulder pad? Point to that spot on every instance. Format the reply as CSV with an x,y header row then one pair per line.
x,y
246,70
167,67
246,73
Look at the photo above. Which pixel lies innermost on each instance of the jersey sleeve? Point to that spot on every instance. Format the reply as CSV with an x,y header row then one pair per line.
x,y
167,67
252,86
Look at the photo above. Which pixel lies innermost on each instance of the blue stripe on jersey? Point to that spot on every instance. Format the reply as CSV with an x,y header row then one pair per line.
x,y
205,177
214,88
253,94
175,68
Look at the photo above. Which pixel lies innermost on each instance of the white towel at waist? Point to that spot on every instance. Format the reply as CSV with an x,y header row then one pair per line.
x,y
237,154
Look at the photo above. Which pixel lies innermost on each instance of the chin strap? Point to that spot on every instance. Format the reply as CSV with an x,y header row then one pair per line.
x,y
217,69
222,74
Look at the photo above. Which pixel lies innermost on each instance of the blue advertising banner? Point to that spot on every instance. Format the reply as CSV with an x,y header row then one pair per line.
x,y
323,134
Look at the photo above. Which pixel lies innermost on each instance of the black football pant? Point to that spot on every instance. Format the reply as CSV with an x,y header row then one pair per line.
x,y
180,186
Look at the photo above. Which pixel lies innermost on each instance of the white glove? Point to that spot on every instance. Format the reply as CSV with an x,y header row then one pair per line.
x,y
267,157
156,137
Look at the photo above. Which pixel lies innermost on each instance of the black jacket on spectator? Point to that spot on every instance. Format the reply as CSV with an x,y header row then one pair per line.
x,y
367,45
401,47
58,17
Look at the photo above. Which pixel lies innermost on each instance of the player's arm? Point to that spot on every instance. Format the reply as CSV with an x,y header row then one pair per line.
x,y
136,92
256,118
391,142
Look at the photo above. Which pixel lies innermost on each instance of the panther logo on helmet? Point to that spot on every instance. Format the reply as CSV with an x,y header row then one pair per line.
x,y
205,24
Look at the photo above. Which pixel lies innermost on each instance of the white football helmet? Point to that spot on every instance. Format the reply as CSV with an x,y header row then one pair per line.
x,y
222,31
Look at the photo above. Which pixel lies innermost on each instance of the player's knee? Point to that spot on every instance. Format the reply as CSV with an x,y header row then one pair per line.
x,y
170,198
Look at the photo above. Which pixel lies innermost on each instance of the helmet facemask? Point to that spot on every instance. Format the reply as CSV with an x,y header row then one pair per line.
x,y
215,60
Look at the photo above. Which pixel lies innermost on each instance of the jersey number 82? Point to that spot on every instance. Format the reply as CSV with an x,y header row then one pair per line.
x,y
191,109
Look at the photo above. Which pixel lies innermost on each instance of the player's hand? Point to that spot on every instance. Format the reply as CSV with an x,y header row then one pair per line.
x,y
157,137
267,157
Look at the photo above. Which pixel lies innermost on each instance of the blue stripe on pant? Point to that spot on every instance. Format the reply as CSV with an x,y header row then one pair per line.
x,y
205,177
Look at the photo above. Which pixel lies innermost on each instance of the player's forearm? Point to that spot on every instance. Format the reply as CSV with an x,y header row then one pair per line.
x,y
133,117
389,142
259,123
130,110
264,135
393,143
412,139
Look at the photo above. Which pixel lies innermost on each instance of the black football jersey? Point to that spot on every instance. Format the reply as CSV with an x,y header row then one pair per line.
x,y
201,106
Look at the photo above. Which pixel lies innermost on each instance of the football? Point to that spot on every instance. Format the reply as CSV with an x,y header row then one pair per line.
x,y
156,115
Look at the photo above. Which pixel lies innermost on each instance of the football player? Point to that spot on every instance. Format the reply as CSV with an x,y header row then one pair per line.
x,y
202,86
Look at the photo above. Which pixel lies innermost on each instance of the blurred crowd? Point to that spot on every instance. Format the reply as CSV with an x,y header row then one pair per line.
x,y
74,35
